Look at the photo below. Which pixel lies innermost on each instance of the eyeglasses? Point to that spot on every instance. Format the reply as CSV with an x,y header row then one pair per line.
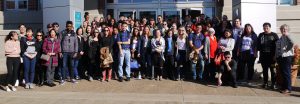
x,y
39,35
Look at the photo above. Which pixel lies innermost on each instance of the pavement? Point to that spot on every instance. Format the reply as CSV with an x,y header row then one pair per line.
x,y
148,92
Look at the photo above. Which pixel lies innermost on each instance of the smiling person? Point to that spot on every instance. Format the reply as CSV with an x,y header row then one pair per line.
x,y
284,55
29,52
12,53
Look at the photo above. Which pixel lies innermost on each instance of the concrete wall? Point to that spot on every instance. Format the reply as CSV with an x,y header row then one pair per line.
x,y
92,6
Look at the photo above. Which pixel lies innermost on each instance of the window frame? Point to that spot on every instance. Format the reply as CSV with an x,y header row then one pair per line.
x,y
292,2
16,5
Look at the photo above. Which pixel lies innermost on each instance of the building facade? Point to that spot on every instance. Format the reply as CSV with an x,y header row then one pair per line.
x,y
30,12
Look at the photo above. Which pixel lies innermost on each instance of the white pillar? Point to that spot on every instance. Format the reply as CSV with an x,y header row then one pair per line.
x,y
61,11
256,12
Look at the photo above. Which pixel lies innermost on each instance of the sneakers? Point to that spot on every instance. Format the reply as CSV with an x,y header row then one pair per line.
x,y
50,84
90,78
13,88
17,83
7,89
74,81
27,86
31,86
61,82
77,78
127,79
139,77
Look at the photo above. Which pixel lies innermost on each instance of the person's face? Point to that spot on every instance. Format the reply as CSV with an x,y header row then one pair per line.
x,y
146,30
87,17
85,24
112,21
174,26
170,33
199,29
157,33
49,28
267,28
152,22
228,57
22,29
52,34
165,24
284,30
237,22
144,20
116,31
106,31
159,19
15,36
248,29
69,26
181,31
79,32
29,33
96,33
227,34
136,32
56,27
39,36
124,27
89,29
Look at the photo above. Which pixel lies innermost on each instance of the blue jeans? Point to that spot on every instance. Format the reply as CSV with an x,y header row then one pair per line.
x,y
199,71
285,64
29,69
125,57
76,61
68,59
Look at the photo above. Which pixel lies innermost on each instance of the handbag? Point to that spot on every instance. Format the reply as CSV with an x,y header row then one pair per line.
x,y
45,57
134,64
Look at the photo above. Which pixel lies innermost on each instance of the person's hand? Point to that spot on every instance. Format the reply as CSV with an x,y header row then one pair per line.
x,y
95,39
139,55
75,55
81,53
49,54
121,53
206,56
61,55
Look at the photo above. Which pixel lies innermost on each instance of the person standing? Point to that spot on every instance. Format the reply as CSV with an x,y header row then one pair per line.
x,y
124,49
94,55
106,43
12,52
135,42
40,71
196,42
247,52
51,47
169,55
29,52
181,53
69,49
158,48
145,51
266,46
210,50
284,55
80,40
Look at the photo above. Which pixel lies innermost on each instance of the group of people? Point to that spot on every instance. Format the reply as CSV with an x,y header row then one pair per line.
x,y
200,49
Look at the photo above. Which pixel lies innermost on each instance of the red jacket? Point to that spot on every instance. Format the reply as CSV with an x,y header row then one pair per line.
x,y
47,48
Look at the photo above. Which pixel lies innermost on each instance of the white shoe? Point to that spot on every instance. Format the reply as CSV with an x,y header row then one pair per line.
x,y
23,82
31,86
27,86
13,89
8,89
139,77
17,83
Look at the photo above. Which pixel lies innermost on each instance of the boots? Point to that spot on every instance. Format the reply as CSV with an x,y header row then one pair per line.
x,y
109,74
103,75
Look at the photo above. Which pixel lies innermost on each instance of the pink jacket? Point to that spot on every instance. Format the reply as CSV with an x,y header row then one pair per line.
x,y
12,48
47,48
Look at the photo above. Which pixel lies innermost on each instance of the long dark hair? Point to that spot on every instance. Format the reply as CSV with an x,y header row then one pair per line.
x,y
245,27
8,37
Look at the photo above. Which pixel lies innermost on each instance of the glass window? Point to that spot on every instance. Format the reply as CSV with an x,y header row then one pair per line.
x,y
148,14
110,12
171,16
10,4
22,4
286,2
173,0
210,12
124,1
144,1
110,1
128,14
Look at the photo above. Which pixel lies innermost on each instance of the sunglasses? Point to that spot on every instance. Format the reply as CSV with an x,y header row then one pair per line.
x,y
38,35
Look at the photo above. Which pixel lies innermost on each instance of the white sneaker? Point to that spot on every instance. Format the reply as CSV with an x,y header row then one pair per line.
x,y
27,86
23,82
17,83
13,89
31,86
139,77
91,78
7,89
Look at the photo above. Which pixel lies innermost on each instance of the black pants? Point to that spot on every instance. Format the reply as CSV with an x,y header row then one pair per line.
x,y
285,64
158,63
210,70
40,72
169,67
229,77
246,62
13,64
267,63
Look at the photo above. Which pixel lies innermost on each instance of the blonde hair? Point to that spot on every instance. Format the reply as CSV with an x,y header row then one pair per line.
x,y
184,33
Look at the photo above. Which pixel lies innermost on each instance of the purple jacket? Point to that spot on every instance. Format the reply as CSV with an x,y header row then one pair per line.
x,y
47,48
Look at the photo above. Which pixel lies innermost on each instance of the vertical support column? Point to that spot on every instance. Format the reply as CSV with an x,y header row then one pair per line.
x,y
256,12
61,11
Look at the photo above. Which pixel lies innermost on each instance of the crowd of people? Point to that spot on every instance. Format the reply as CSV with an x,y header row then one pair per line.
x,y
199,49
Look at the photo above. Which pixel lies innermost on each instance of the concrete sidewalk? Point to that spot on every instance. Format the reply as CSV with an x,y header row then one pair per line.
x,y
147,92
